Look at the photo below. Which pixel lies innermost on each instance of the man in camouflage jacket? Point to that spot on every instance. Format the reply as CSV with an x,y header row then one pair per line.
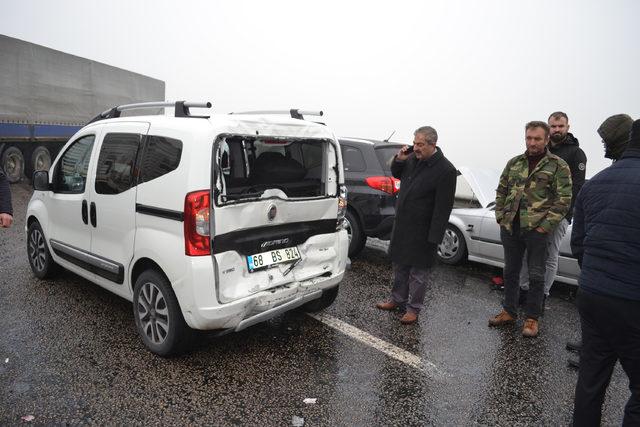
x,y
533,195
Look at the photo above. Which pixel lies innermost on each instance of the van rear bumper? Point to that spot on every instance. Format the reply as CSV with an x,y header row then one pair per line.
x,y
259,307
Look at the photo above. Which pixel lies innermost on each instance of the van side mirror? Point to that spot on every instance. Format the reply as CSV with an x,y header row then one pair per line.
x,y
41,181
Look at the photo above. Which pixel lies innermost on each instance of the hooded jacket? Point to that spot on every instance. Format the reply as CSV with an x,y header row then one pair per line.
x,y
606,229
614,132
569,151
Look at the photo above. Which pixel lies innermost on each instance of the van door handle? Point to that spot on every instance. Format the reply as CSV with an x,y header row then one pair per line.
x,y
92,214
85,213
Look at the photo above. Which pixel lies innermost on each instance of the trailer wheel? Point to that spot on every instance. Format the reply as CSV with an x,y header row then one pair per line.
x,y
13,164
41,159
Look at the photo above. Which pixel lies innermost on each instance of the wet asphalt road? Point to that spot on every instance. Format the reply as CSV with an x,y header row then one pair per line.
x,y
74,357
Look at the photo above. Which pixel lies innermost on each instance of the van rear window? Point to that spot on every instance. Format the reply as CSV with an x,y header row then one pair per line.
x,y
251,166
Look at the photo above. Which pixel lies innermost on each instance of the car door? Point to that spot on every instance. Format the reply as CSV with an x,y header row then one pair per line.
x,y
68,226
112,209
489,244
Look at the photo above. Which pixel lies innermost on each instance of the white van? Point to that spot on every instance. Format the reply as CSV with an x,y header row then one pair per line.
x,y
211,223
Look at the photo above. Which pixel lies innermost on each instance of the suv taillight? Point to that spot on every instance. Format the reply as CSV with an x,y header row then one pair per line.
x,y
196,223
342,206
387,184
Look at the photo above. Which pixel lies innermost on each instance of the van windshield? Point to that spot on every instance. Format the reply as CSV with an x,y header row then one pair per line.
x,y
286,168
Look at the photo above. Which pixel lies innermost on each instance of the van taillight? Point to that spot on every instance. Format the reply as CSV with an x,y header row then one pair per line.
x,y
387,184
197,206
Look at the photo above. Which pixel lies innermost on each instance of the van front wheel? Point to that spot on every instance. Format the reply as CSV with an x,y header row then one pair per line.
x,y
159,320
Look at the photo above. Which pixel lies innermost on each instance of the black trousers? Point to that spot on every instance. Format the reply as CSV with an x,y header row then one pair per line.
x,y
610,332
514,245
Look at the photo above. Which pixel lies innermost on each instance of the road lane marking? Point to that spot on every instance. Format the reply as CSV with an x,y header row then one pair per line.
x,y
389,349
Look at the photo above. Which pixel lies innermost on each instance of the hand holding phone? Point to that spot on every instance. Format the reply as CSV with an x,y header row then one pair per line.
x,y
404,152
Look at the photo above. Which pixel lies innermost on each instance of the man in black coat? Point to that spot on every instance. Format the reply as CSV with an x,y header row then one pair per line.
x,y
6,213
427,190
605,239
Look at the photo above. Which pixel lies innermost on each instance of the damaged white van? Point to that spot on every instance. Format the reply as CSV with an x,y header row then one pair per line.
x,y
210,223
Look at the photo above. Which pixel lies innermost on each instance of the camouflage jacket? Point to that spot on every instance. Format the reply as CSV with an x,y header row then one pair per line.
x,y
543,197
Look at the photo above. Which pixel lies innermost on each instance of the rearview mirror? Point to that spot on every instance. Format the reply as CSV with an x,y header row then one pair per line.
x,y
41,181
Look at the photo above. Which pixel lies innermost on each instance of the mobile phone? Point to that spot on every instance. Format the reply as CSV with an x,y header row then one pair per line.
x,y
409,150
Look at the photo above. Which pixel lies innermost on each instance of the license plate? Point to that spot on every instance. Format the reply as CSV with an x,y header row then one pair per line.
x,y
276,256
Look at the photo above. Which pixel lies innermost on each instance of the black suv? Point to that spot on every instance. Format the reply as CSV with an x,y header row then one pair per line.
x,y
371,190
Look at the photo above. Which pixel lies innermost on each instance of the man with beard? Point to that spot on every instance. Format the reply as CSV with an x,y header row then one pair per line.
x,y
422,213
564,145
533,196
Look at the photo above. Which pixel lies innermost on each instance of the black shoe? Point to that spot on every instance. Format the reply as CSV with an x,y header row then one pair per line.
x,y
573,363
574,346
522,299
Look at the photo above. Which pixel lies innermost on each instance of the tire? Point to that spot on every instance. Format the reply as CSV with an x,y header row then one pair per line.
x,y
158,317
327,298
453,249
40,159
40,260
13,164
357,238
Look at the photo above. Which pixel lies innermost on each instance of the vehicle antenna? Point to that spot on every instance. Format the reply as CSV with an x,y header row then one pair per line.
x,y
387,140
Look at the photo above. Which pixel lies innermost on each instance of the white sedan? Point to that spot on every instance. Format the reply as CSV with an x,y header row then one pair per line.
x,y
474,234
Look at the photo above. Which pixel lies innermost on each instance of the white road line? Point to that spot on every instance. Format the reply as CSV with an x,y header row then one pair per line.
x,y
387,348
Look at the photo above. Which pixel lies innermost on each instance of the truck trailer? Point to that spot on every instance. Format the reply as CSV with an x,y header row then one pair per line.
x,y
47,95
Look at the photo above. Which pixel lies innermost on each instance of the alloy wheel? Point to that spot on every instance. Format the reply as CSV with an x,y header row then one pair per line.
x,y
153,313
37,249
450,244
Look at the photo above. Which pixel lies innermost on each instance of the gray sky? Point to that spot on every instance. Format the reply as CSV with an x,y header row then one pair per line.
x,y
475,70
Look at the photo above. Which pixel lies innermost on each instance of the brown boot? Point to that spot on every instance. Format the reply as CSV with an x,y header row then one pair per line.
x,y
503,318
530,329
387,305
409,318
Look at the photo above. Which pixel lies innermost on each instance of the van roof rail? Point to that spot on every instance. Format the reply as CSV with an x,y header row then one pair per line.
x,y
294,113
181,109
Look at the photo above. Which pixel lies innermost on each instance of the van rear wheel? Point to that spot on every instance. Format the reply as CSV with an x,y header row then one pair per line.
x,y
159,320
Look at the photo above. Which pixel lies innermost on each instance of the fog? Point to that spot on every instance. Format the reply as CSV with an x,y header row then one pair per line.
x,y
477,71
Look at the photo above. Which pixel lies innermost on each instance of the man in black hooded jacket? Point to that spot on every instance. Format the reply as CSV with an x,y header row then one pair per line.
x,y
614,132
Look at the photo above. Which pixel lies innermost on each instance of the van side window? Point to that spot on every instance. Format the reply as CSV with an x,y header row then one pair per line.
x,y
114,173
161,156
70,175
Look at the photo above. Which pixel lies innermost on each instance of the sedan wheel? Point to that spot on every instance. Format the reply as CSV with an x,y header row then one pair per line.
x,y
453,248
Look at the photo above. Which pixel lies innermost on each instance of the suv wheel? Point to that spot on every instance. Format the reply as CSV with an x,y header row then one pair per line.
x,y
453,248
357,239
40,260
327,298
158,316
